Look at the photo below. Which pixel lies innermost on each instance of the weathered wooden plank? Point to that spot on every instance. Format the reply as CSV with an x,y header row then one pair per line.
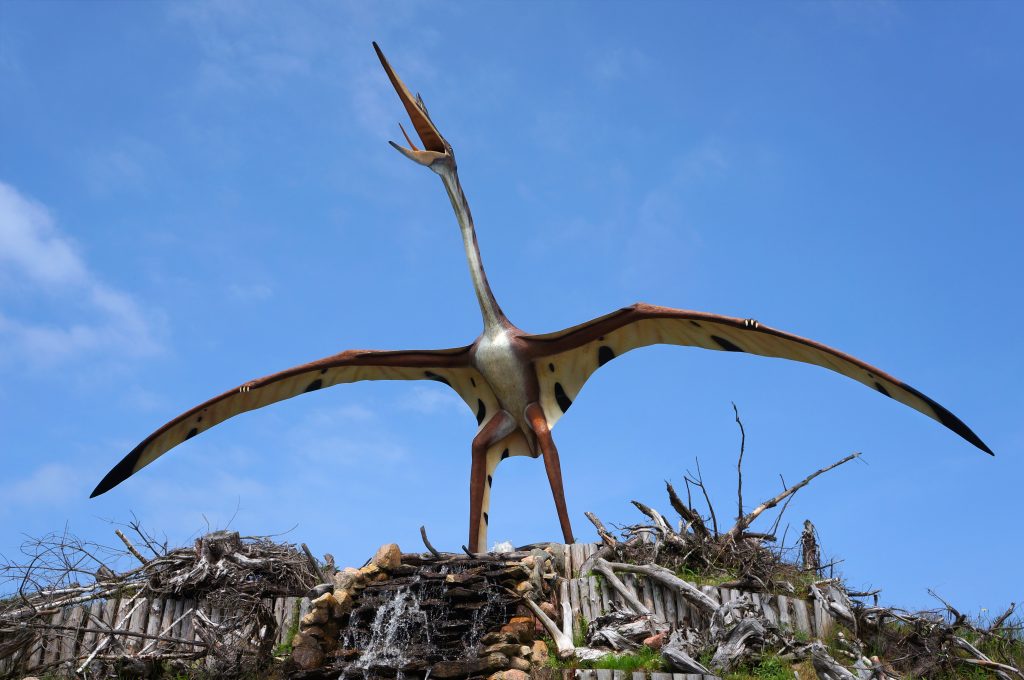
x,y
594,594
166,619
574,596
606,595
645,592
53,638
279,617
69,642
661,676
668,598
585,675
785,620
156,615
713,593
95,612
803,621
618,675
683,615
137,624
768,609
822,621
180,607
604,674
639,675
188,624
35,655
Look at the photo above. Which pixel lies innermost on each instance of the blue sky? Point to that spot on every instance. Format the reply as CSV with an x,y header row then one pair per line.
x,y
193,195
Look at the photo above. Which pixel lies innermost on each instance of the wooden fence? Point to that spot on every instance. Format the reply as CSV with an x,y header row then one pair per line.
x,y
77,632
591,597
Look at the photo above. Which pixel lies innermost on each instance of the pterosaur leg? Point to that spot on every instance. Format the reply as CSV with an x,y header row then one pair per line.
x,y
496,429
539,425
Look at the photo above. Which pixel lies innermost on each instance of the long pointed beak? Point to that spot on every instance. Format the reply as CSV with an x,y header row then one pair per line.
x,y
434,145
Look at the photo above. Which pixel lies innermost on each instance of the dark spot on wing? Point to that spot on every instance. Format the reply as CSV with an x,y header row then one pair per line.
x,y
564,402
489,481
199,419
695,323
322,371
551,367
439,378
601,339
725,344
881,388
604,355
472,381
504,454
486,519
314,386
191,433
481,411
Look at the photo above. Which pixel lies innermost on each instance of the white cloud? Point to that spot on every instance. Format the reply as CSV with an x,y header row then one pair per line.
x,y
82,314
423,399
249,292
49,485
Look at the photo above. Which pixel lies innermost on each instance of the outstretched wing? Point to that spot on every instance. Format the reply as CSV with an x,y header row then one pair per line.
x,y
450,366
565,359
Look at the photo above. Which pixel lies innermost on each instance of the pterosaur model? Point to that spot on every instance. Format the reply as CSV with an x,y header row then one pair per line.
x,y
517,384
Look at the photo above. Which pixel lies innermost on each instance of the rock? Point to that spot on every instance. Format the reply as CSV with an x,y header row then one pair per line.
x,y
521,627
550,610
511,674
494,638
370,572
524,651
314,632
346,579
518,663
508,648
308,658
539,653
303,640
387,556
655,641
342,604
524,587
319,590
325,601
457,669
528,561
315,617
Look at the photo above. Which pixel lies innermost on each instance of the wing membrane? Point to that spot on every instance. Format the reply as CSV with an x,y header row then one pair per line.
x,y
567,358
448,366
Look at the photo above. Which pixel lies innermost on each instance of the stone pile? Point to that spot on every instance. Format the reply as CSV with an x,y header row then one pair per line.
x,y
452,616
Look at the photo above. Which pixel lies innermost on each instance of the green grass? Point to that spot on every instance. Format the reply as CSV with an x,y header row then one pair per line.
x,y
768,668
643,659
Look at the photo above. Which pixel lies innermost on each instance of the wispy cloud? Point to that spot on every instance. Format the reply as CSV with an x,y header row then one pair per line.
x,y
614,64
76,312
48,485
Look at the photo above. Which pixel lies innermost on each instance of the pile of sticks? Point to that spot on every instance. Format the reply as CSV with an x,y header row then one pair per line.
x,y
67,596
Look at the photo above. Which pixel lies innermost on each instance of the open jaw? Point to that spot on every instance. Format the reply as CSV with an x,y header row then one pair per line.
x,y
434,145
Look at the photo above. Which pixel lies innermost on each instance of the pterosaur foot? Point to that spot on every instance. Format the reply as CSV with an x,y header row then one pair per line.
x,y
539,424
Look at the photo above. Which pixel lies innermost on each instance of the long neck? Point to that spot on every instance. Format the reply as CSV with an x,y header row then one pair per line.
x,y
493,316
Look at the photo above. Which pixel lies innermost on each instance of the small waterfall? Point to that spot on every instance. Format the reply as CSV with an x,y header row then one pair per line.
x,y
402,626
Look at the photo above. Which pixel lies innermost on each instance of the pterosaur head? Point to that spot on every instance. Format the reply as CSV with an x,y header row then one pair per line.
x,y
436,152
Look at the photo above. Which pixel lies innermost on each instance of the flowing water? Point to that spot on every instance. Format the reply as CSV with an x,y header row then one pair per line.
x,y
402,626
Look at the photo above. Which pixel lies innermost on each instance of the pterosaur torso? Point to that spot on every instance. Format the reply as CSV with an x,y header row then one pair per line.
x,y
517,384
